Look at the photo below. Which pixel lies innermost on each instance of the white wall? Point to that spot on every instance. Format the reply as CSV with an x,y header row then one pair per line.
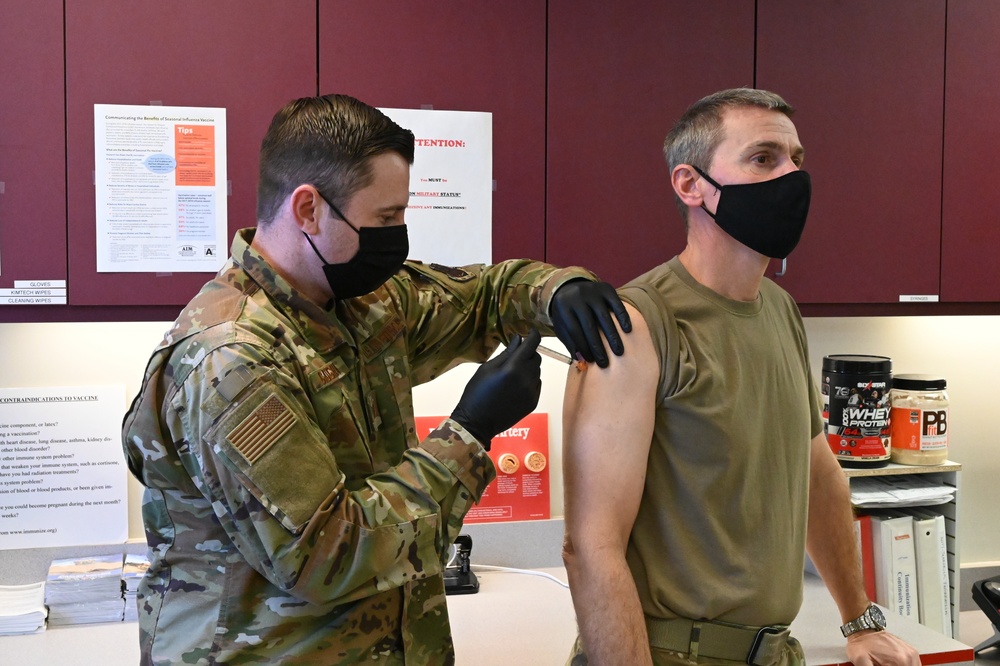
x,y
963,349
81,354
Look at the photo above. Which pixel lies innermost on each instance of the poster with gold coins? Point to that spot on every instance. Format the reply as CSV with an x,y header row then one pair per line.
x,y
521,456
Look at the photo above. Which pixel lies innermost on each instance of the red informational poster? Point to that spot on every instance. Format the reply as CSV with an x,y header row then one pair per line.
x,y
521,456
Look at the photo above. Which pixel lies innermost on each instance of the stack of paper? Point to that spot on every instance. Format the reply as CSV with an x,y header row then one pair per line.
x,y
135,569
22,608
85,589
898,491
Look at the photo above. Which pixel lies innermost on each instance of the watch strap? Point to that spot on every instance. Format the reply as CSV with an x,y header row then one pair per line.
x,y
866,620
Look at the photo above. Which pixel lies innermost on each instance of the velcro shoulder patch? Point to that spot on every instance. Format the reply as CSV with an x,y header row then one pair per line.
x,y
234,383
267,443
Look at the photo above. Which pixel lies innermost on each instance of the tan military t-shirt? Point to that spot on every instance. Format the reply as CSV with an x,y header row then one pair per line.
x,y
721,528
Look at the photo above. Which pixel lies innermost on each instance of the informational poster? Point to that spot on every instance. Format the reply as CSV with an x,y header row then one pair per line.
x,y
450,216
62,473
521,456
160,179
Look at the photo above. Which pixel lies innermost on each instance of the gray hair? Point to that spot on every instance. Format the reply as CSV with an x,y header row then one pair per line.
x,y
696,136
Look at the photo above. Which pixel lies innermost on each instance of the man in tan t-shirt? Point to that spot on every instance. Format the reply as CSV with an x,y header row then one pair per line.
x,y
696,470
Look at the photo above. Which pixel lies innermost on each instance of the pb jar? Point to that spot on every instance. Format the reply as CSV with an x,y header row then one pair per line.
x,y
919,419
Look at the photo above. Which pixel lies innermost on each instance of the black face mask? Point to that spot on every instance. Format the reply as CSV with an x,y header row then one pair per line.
x,y
381,252
767,217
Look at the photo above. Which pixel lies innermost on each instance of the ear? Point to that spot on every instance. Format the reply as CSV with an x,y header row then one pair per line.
x,y
305,209
684,180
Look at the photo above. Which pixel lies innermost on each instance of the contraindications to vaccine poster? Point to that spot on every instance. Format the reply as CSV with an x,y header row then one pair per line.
x,y
521,456
62,473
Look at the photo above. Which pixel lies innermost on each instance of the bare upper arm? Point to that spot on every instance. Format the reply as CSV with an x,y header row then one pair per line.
x,y
608,417
822,463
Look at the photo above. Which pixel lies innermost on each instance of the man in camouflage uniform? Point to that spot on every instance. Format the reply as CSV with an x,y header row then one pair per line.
x,y
291,512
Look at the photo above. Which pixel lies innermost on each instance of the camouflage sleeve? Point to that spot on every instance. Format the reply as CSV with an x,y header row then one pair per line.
x,y
448,435
462,314
276,489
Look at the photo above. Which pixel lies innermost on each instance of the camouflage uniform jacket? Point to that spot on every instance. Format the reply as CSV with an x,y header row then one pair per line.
x,y
291,513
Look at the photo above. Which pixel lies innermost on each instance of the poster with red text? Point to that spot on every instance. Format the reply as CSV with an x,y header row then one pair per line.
x,y
450,210
521,456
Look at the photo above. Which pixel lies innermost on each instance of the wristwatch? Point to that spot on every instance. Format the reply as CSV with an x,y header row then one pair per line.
x,y
872,618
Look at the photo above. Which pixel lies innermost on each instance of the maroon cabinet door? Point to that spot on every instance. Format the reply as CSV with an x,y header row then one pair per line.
x,y
248,56
32,148
484,56
971,211
620,74
867,80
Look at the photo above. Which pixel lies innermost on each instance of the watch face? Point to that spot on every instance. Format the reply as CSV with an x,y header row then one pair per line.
x,y
875,613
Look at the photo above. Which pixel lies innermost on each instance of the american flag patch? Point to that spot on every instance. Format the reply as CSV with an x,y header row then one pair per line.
x,y
259,431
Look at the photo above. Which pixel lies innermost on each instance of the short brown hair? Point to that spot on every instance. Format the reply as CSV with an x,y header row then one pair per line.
x,y
327,142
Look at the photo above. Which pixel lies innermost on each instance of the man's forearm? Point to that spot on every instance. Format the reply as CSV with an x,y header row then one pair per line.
x,y
611,621
831,541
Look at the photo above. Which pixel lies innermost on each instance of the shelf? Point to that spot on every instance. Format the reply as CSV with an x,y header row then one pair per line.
x,y
893,469
948,475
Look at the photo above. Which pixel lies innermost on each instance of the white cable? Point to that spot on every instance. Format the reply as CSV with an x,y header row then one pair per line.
x,y
530,572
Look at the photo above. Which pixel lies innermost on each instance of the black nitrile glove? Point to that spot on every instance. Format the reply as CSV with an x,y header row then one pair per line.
x,y
580,310
503,390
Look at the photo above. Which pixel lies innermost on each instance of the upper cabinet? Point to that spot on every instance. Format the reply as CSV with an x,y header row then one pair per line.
x,y
485,56
896,106
619,75
248,56
971,210
32,145
866,79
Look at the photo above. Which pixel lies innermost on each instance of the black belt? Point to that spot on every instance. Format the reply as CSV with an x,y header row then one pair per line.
x,y
754,645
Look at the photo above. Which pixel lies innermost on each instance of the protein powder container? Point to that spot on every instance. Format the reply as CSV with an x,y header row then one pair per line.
x,y
919,420
856,408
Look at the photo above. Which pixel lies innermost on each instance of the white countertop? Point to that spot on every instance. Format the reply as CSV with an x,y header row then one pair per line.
x,y
525,619
514,619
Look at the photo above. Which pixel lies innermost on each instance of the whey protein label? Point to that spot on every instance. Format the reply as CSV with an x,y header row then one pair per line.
x,y
856,416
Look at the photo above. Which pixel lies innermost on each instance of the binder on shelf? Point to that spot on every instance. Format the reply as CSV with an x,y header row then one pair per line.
x,y
933,584
895,563
863,535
